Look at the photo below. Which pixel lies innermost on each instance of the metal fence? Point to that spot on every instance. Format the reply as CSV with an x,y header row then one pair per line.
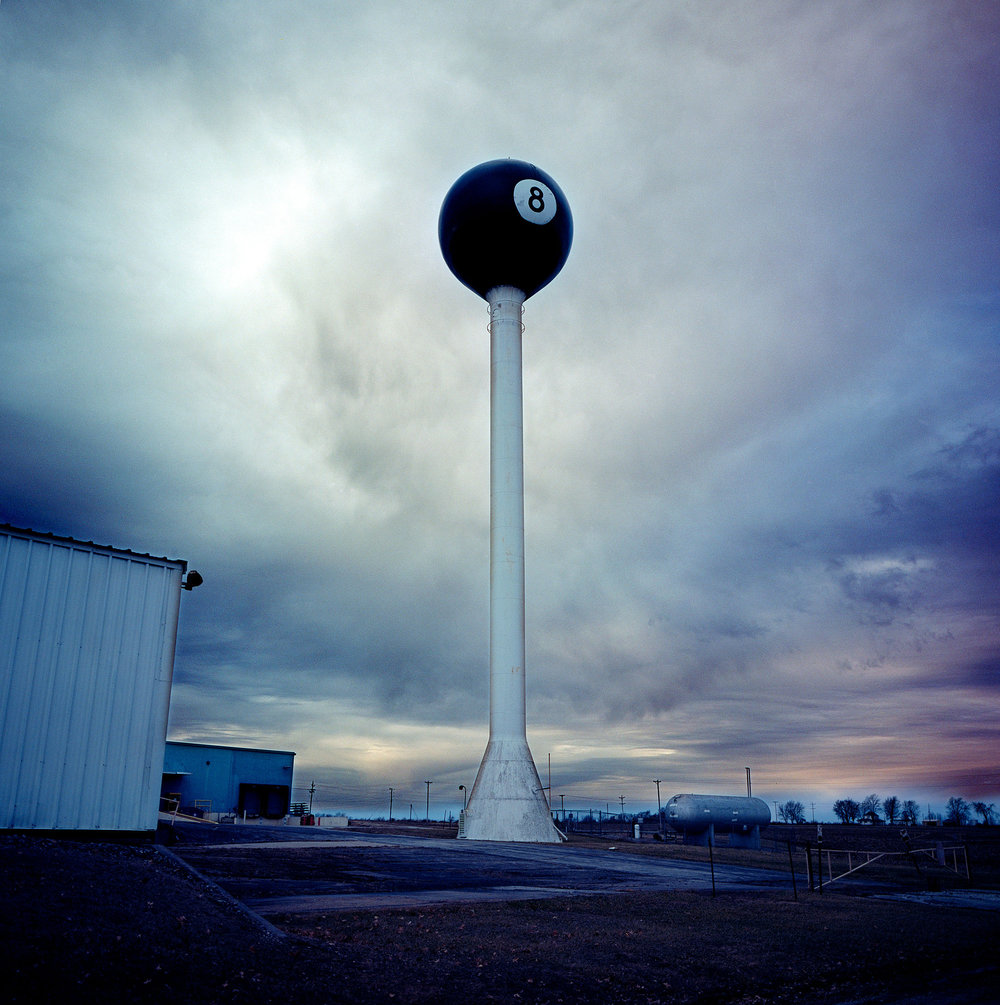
x,y
839,863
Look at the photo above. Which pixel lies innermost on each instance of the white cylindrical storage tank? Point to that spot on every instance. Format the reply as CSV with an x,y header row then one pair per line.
x,y
694,815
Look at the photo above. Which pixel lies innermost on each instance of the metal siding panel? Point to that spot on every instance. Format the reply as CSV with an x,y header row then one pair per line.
x,y
75,782
9,616
138,649
101,748
87,725
220,786
16,604
230,796
152,640
53,697
23,741
125,696
13,576
13,604
159,706
72,688
87,640
64,680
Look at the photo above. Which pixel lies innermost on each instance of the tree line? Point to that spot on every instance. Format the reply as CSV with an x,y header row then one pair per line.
x,y
891,810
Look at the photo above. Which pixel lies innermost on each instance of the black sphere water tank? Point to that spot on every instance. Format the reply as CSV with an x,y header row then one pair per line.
x,y
505,223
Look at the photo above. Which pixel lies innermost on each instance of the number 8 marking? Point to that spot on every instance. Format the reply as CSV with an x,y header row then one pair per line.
x,y
535,201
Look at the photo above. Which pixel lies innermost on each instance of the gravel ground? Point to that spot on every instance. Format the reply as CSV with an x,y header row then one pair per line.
x,y
89,922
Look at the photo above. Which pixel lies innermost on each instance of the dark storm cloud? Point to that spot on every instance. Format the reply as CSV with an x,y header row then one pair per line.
x,y
985,673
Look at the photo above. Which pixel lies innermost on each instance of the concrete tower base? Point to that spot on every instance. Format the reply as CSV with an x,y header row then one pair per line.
x,y
507,802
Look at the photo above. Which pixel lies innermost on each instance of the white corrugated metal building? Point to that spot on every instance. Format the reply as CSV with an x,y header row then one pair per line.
x,y
87,637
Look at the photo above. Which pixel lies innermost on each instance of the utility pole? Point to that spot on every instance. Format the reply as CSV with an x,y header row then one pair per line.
x,y
312,791
427,815
748,784
390,804
621,799
659,810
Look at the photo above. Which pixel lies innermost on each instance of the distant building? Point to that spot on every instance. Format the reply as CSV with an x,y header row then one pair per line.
x,y
209,780
87,637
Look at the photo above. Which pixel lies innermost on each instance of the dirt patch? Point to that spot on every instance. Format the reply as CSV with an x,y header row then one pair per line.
x,y
102,923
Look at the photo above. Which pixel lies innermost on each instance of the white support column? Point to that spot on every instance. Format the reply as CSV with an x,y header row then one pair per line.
x,y
507,712
507,802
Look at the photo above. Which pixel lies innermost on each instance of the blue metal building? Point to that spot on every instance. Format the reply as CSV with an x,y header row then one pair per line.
x,y
211,781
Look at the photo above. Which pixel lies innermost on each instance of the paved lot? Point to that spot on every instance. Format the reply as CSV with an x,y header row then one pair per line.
x,y
339,870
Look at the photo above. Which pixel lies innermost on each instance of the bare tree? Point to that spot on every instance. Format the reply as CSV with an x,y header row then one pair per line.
x,y
890,806
792,812
910,813
846,810
986,810
957,811
871,806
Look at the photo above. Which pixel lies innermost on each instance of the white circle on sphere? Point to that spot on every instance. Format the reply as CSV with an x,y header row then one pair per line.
x,y
534,200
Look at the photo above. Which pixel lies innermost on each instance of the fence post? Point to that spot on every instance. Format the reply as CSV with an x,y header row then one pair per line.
x,y
819,854
791,863
711,856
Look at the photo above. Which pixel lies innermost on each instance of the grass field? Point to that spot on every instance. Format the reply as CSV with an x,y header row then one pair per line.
x,y
110,923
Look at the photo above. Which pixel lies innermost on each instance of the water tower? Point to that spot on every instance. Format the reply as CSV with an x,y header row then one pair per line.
x,y
505,230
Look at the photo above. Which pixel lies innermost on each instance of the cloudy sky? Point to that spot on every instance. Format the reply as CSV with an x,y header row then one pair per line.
x,y
762,420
